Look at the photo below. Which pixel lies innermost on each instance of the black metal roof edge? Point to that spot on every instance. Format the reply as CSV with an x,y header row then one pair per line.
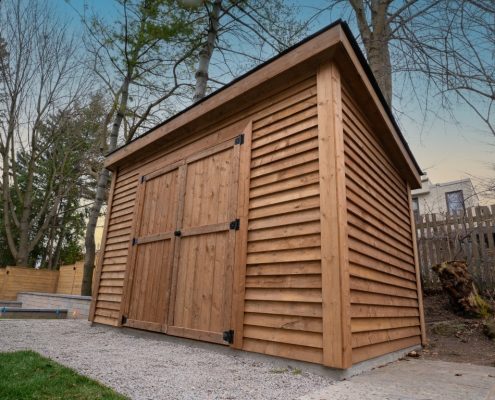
x,y
376,87
361,58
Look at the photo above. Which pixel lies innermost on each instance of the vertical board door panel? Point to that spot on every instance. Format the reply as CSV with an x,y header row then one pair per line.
x,y
159,212
148,298
207,190
199,304
152,253
204,263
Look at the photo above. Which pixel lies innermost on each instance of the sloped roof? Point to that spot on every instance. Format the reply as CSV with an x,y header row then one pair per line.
x,y
335,40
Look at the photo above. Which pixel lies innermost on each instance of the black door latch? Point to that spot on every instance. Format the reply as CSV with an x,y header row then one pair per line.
x,y
228,336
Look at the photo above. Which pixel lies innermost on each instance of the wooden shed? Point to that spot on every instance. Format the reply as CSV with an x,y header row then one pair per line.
x,y
273,216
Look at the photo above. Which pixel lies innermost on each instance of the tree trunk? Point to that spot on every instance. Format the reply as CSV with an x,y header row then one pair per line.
x,y
49,253
458,284
101,192
206,52
375,31
89,240
22,253
60,240
379,59
58,248
23,247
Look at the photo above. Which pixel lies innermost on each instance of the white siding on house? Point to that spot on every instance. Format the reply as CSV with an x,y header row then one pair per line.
x,y
432,198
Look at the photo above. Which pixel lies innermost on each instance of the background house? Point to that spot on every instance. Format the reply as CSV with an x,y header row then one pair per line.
x,y
441,198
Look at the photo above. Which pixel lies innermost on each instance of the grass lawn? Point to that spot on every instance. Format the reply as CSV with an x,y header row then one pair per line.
x,y
27,375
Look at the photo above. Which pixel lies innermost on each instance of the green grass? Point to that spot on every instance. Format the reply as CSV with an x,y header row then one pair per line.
x,y
27,375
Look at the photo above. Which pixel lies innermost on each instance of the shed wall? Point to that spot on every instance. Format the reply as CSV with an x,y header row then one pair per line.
x,y
284,180
384,298
283,310
280,307
117,238
110,284
114,258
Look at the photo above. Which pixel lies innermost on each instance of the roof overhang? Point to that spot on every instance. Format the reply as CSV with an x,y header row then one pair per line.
x,y
333,42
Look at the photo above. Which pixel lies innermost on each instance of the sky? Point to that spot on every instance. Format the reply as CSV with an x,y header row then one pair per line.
x,y
445,149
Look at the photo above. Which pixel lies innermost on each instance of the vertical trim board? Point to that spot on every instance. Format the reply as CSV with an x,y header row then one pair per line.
x,y
239,280
333,214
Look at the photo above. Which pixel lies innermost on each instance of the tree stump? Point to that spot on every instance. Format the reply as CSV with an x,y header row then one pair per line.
x,y
458,284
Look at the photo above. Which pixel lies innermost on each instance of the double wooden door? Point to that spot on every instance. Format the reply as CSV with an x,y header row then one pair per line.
x,y
182,256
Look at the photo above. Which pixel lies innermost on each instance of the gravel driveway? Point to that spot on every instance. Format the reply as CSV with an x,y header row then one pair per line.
x,y
146,368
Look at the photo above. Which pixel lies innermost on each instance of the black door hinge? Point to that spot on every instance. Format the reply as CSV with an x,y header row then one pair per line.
x,y
143,179
134,241
235,225
239,139
228,336
177,233
124,319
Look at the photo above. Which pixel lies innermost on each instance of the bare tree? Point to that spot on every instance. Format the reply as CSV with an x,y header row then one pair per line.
x,y
40,77
437,48
468,55
206,50
138,60
242,33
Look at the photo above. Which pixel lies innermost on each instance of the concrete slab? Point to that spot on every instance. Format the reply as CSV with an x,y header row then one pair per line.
x,y
412,379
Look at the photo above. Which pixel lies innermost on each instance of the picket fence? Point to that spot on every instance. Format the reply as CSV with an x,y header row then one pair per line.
x,y
468,236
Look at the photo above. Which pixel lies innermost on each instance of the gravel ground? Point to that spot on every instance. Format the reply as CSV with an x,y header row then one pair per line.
x,y
146,368
149,368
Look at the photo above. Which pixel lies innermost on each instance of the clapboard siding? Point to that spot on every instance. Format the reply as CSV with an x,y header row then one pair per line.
x,y
115,252
316,256
283,298
287,121
384,299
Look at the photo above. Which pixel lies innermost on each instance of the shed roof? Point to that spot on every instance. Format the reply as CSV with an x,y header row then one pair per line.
x,y
334,41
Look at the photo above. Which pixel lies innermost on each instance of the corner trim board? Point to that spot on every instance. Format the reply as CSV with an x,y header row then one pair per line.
x,y
337,350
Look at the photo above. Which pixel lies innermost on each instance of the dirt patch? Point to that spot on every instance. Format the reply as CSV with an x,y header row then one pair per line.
x,y
454,338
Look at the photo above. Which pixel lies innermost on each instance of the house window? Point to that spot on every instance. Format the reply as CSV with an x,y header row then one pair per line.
x,y
415,207
455,202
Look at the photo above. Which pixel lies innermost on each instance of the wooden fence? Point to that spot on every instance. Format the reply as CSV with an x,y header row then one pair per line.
x,y
21,279
66,280
70,278
468,236
2,278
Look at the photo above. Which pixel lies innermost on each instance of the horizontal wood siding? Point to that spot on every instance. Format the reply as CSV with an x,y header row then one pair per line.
x,y
286,119
384,301
116,249
283,297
